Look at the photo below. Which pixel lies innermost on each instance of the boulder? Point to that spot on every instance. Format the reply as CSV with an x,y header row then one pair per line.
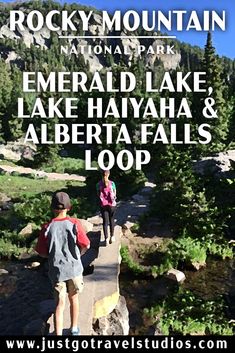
x,y
16,150
116,323
27,230
176,275
219,165
5,32
88,226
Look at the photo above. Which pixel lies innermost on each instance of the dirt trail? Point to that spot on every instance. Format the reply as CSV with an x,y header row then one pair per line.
x,y
41,173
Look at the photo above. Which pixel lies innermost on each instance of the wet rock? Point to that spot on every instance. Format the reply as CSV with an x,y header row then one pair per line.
x,y
35,327
176,275
28,230
116,323
3,271
88,226
33,265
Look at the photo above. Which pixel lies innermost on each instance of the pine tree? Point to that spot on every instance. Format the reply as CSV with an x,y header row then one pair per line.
x,y
219,126
5,97
46,153
13,123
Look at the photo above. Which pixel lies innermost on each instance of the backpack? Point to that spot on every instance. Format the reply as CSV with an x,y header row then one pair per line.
x,y
106,194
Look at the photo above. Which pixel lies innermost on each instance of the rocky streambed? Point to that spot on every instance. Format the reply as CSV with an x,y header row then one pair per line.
x,y
216,279
25,298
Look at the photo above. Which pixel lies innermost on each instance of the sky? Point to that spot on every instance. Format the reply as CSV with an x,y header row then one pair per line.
x,y
223,41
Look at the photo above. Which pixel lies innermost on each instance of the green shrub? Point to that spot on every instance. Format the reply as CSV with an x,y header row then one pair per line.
x,y
185,313
130,263
37,209
66,165
7,249
135,227
34,209
188,249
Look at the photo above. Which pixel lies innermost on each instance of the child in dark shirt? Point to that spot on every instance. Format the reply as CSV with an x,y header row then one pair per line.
x,y
63,241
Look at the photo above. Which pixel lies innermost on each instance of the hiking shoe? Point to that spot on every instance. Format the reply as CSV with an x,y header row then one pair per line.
x,y
75,332
112,239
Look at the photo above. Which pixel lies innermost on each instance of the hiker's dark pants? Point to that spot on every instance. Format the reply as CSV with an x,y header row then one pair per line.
x,y
108,219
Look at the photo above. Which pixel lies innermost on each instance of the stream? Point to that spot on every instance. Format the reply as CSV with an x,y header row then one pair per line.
x,y
217,278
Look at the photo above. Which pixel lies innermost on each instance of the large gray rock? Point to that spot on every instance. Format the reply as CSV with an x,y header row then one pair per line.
x,y
169,61
27,230
16,150
12,56
130,44
116,323
219,165
42,39
176,275
5,32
